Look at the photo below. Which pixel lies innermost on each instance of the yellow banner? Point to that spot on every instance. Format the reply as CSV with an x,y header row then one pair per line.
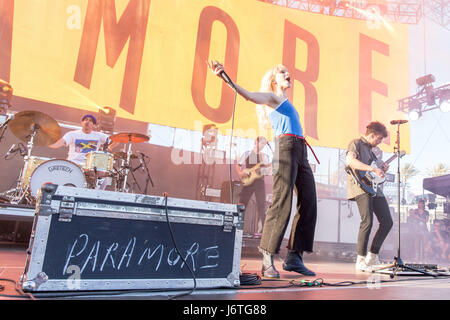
x,y
146,59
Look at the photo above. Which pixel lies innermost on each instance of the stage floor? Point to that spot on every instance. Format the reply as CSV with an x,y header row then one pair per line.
x,y
342,282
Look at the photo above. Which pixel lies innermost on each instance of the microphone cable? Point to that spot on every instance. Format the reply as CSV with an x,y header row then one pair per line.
x,y
178,251
231,145
249,279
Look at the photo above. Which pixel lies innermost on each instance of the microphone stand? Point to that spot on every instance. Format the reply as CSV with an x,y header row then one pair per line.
x,y
398,262
134,178
149,178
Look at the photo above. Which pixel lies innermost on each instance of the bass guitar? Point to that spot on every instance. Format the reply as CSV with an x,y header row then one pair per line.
x,y
252,174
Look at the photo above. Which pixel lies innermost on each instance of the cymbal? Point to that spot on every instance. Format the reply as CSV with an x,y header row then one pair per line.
x,y
25,123
123,155
126,137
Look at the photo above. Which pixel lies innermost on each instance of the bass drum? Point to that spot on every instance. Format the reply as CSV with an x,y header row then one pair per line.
x,y
60,172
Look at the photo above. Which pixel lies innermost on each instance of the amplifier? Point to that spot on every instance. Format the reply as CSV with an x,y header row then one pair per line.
x,y
236,188
84,239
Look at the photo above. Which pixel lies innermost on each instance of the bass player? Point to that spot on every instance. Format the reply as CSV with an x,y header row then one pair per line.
x,y
251,168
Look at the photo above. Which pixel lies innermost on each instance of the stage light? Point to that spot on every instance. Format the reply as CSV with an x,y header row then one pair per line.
x,y
444,105
426,99
425,80
430,95
414,114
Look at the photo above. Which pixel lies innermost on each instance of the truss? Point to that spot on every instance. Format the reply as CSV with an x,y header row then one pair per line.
x,y
400,11
421,102
439,12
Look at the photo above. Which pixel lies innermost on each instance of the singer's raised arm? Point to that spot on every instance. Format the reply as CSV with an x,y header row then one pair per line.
x,y
266,98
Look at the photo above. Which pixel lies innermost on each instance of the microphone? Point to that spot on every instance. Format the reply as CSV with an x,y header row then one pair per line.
x,y
227,79
11,150
22,149
141,161
224,76
399,121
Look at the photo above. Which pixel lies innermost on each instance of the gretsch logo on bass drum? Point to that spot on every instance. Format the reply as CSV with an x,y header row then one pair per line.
x,y
60,168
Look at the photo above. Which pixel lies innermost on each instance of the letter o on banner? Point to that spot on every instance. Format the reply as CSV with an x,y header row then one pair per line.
x,y
207,17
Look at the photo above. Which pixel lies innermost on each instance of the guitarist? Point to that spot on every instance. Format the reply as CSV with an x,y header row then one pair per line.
x,y
253,159
359,157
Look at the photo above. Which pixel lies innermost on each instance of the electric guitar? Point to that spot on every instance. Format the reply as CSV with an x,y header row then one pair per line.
x,y
252,174
368,180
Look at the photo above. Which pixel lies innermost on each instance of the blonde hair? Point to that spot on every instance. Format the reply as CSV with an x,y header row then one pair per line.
x,y
268,80
263,111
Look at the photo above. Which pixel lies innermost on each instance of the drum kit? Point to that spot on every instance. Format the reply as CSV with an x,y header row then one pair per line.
x,y
38,129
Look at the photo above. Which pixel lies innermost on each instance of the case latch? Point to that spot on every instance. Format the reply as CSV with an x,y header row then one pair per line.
x,y
228,218
66,209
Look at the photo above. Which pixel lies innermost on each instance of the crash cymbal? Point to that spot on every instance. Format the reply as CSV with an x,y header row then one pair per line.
x,y
126,137
25,123
123,155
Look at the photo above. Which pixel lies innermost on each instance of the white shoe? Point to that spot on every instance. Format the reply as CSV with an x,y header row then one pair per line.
x,y
360,264
372,259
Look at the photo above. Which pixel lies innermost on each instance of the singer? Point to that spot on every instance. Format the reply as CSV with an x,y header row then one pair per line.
x,y
360,156
291,171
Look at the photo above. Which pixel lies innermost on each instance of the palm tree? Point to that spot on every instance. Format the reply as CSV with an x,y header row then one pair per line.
x,y
408,171
439,170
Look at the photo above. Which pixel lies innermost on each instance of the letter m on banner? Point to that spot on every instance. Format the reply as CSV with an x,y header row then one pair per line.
x,y
132,25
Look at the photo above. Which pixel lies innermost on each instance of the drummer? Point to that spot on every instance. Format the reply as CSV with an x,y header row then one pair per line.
x,y
81,142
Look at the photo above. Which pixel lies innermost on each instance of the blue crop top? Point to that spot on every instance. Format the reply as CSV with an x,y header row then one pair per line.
x,y
285,119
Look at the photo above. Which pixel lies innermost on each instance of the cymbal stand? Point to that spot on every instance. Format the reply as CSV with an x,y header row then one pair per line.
x,y
135,183
18,194
149,178
25,193
127,166
31,141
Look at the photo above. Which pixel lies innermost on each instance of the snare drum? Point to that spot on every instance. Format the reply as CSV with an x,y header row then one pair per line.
x,y
31,164
99,163
60,172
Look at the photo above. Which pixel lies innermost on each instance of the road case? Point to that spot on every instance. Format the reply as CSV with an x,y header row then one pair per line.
x,y
84,239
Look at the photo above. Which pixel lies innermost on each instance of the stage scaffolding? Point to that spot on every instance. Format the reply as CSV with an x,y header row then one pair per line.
x,y
401,11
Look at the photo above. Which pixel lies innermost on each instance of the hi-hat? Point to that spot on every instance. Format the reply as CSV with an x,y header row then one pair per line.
x,y
127,137
25,123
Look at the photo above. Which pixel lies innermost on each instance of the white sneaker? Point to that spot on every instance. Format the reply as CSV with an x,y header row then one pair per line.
x,y
360,264
372,259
